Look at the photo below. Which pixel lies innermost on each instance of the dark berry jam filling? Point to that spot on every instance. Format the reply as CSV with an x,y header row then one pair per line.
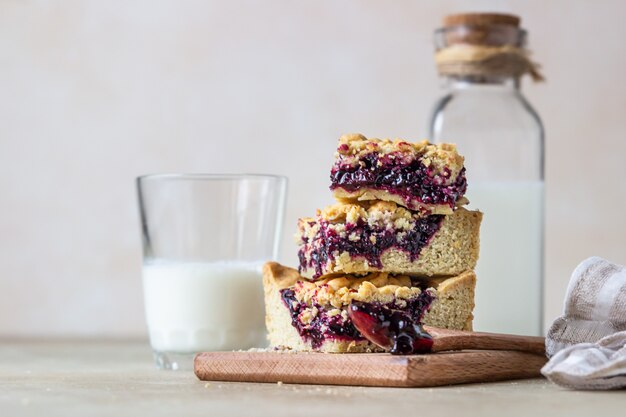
x,y
412,180
322,326
362,240
387,325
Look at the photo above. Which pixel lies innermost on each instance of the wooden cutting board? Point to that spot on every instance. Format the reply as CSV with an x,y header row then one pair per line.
x,y
376,369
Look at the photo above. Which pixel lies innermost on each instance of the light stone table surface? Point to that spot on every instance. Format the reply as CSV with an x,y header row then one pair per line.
x,y
118,379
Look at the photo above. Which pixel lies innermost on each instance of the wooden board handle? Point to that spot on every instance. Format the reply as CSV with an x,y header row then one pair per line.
x,y
445,339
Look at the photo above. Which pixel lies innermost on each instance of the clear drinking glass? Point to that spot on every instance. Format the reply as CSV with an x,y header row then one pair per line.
x,y
205,238
501,137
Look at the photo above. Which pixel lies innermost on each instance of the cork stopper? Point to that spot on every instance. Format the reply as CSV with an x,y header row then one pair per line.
x,y
483,47
481,19
491,29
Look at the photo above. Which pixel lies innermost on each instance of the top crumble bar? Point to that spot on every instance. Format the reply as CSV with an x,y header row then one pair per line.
x,y
419,176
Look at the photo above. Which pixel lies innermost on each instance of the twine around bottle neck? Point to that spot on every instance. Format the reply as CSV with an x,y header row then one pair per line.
x,y
482,61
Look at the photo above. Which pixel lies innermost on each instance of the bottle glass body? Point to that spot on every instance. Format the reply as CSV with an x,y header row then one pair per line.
x,y
501,137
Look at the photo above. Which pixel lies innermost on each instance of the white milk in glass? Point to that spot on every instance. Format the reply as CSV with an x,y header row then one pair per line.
x,y
511,248
204,306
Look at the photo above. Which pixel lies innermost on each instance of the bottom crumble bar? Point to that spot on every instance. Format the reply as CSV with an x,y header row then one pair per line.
x,y
313,316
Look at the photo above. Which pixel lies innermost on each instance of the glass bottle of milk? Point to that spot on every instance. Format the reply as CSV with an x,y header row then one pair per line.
x,y
481,59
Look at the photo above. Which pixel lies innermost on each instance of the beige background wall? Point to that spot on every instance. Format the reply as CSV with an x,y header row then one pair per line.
x,y
95,93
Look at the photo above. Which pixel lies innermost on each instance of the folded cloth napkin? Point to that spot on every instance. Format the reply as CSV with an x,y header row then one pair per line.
x,y
587,345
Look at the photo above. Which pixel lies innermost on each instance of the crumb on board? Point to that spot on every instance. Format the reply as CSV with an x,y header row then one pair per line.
x,y
275,349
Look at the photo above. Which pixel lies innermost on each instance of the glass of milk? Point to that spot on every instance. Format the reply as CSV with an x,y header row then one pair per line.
x,y
205,238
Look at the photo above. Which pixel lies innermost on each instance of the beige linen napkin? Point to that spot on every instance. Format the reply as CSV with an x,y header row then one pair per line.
x,y
587,345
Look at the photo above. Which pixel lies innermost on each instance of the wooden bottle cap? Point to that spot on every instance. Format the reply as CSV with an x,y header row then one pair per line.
x,y
481,19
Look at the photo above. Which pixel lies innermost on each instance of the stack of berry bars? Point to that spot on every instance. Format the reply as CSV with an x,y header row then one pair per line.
x,y
398,249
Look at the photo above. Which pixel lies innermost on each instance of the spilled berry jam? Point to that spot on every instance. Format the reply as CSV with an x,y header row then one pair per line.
x,y
387,325
398,331
362,240
411,180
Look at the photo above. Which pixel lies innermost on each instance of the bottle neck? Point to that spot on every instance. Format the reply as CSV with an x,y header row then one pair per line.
x,y
487,82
